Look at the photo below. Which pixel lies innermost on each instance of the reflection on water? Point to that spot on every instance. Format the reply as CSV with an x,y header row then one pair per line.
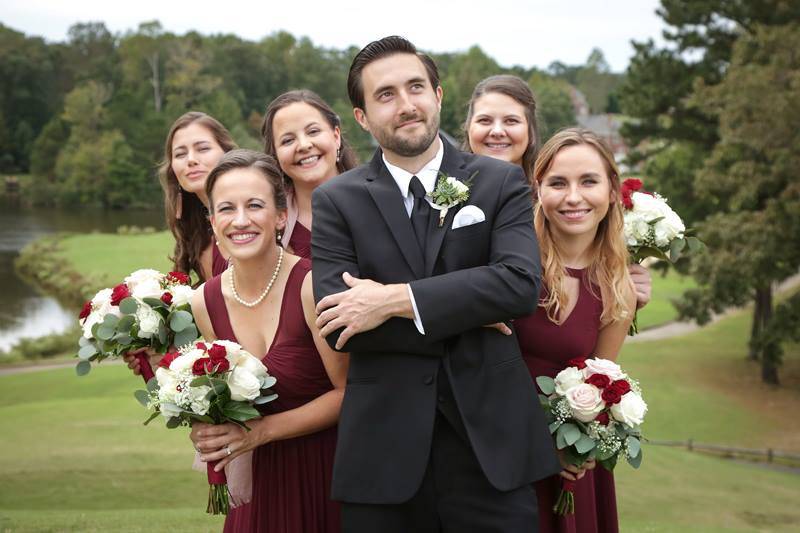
x,y
23,311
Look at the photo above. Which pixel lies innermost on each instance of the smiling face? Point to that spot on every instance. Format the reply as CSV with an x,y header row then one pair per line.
x,y
575,193
305,144
401,107
244,216
498,128
195,152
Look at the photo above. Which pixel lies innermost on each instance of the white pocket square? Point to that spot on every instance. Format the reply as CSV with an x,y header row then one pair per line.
x,y
468,215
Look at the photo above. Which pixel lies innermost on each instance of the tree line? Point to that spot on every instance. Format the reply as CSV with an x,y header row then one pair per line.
x,y
87,117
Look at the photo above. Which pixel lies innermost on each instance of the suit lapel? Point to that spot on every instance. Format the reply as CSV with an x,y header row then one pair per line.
x,y
387,197
452,165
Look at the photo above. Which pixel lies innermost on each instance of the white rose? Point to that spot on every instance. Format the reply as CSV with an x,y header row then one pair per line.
x,y
148,321
181,294
585,402
568,378
148,288
243,385
143,275
197,397
185,361
252,365
605,367
167,383
232,350
102,298
169,409
93,318
457,184
630,410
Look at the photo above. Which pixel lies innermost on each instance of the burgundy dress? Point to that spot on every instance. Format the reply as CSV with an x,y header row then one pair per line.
x,y
300,241
546,347
292,477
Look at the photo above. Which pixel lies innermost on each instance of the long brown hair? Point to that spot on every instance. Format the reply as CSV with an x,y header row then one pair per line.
x,y
516,89
186,215
608,269
346,159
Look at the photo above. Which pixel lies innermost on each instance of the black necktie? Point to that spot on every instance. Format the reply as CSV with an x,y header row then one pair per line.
x,y
420,212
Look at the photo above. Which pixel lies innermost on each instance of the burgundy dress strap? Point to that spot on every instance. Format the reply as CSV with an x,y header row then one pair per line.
x,y
217,310
218,263
300,242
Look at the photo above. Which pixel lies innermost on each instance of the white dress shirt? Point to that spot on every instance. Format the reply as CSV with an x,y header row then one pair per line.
x,y
427,176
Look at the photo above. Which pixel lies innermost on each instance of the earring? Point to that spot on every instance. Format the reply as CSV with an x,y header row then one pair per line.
x,y
179,206
338,154
278,235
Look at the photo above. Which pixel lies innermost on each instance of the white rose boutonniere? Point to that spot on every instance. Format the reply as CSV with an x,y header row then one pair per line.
x,y
449,192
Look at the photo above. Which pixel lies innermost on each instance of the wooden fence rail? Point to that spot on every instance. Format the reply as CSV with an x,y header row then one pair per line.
x,y
768,455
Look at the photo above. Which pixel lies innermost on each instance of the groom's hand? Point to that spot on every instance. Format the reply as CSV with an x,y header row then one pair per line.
x,y
364,306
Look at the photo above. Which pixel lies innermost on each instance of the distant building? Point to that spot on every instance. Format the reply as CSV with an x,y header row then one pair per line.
x,y
605,125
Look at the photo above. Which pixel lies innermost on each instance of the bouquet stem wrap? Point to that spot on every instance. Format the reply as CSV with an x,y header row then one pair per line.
x,y
565,504
144,366
217,490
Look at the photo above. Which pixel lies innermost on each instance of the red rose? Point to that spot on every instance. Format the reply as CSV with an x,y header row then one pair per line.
x,y
611,395
580,362
168,359
200,346
602,418
622,386
632,184
87,308
601,381
178,277
206,365
166,298
119,293
217,351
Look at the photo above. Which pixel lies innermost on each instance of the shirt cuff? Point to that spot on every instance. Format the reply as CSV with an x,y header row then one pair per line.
x,y
417,320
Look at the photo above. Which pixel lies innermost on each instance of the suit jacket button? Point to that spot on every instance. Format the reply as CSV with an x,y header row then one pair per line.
x,y
428,380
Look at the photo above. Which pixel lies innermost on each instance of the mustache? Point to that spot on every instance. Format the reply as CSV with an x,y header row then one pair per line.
x,y
410,117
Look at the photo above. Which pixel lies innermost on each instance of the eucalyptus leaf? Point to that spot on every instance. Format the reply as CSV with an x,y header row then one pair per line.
x,y
110,321
87,351
200,381
173,422
162,333
571,433
560,442
240,411
186,336
153,302
695,245
546,384
584,444
123,338
152,384
105,332
180,320
261,400
675,249
83,368
83,341
142,396
554,426
634,447
635,462
129,305
268,381
126,323
151,417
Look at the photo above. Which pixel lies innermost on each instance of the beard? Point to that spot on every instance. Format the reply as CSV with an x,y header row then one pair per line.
x,y
410,146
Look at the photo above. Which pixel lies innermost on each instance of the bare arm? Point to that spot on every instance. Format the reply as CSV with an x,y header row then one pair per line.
x,y
316,415
611,337
200,313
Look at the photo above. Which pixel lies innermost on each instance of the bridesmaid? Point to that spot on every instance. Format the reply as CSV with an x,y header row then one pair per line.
x,y
264,302
501,123
587,301
304,134
194,145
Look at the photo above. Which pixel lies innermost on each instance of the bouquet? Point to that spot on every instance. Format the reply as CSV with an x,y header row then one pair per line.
x,y
148,310
652,228
594,410
213,383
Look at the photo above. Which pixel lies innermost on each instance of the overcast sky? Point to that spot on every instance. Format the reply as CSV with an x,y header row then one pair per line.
x,y
513,32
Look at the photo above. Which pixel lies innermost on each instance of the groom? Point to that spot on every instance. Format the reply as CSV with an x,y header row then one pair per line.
x,y
440,427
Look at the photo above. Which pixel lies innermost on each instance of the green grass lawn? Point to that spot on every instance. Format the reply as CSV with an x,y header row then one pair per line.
x,y
115,256
75,457
665,288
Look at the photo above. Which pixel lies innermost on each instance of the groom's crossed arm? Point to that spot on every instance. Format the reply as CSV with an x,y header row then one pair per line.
x,y
370,316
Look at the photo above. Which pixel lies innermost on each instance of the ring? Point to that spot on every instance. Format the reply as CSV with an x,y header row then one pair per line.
x,y
228,449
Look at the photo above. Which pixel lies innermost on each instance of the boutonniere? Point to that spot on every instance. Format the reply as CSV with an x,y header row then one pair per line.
x,y
449,192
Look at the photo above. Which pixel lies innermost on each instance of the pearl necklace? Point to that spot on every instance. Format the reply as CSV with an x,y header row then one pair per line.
x,y
266,291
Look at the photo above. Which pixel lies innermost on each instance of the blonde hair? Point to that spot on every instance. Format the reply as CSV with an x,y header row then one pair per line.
x,y
608,269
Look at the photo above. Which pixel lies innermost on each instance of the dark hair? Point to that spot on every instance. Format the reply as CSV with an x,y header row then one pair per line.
x,y
192,231
518,90
243,158
379,49
347,158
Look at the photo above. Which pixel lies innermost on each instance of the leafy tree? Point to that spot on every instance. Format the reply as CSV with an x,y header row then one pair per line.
x,y
554,105
751,177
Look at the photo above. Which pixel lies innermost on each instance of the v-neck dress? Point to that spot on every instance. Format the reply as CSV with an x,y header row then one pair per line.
x,y
291,477
546,347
